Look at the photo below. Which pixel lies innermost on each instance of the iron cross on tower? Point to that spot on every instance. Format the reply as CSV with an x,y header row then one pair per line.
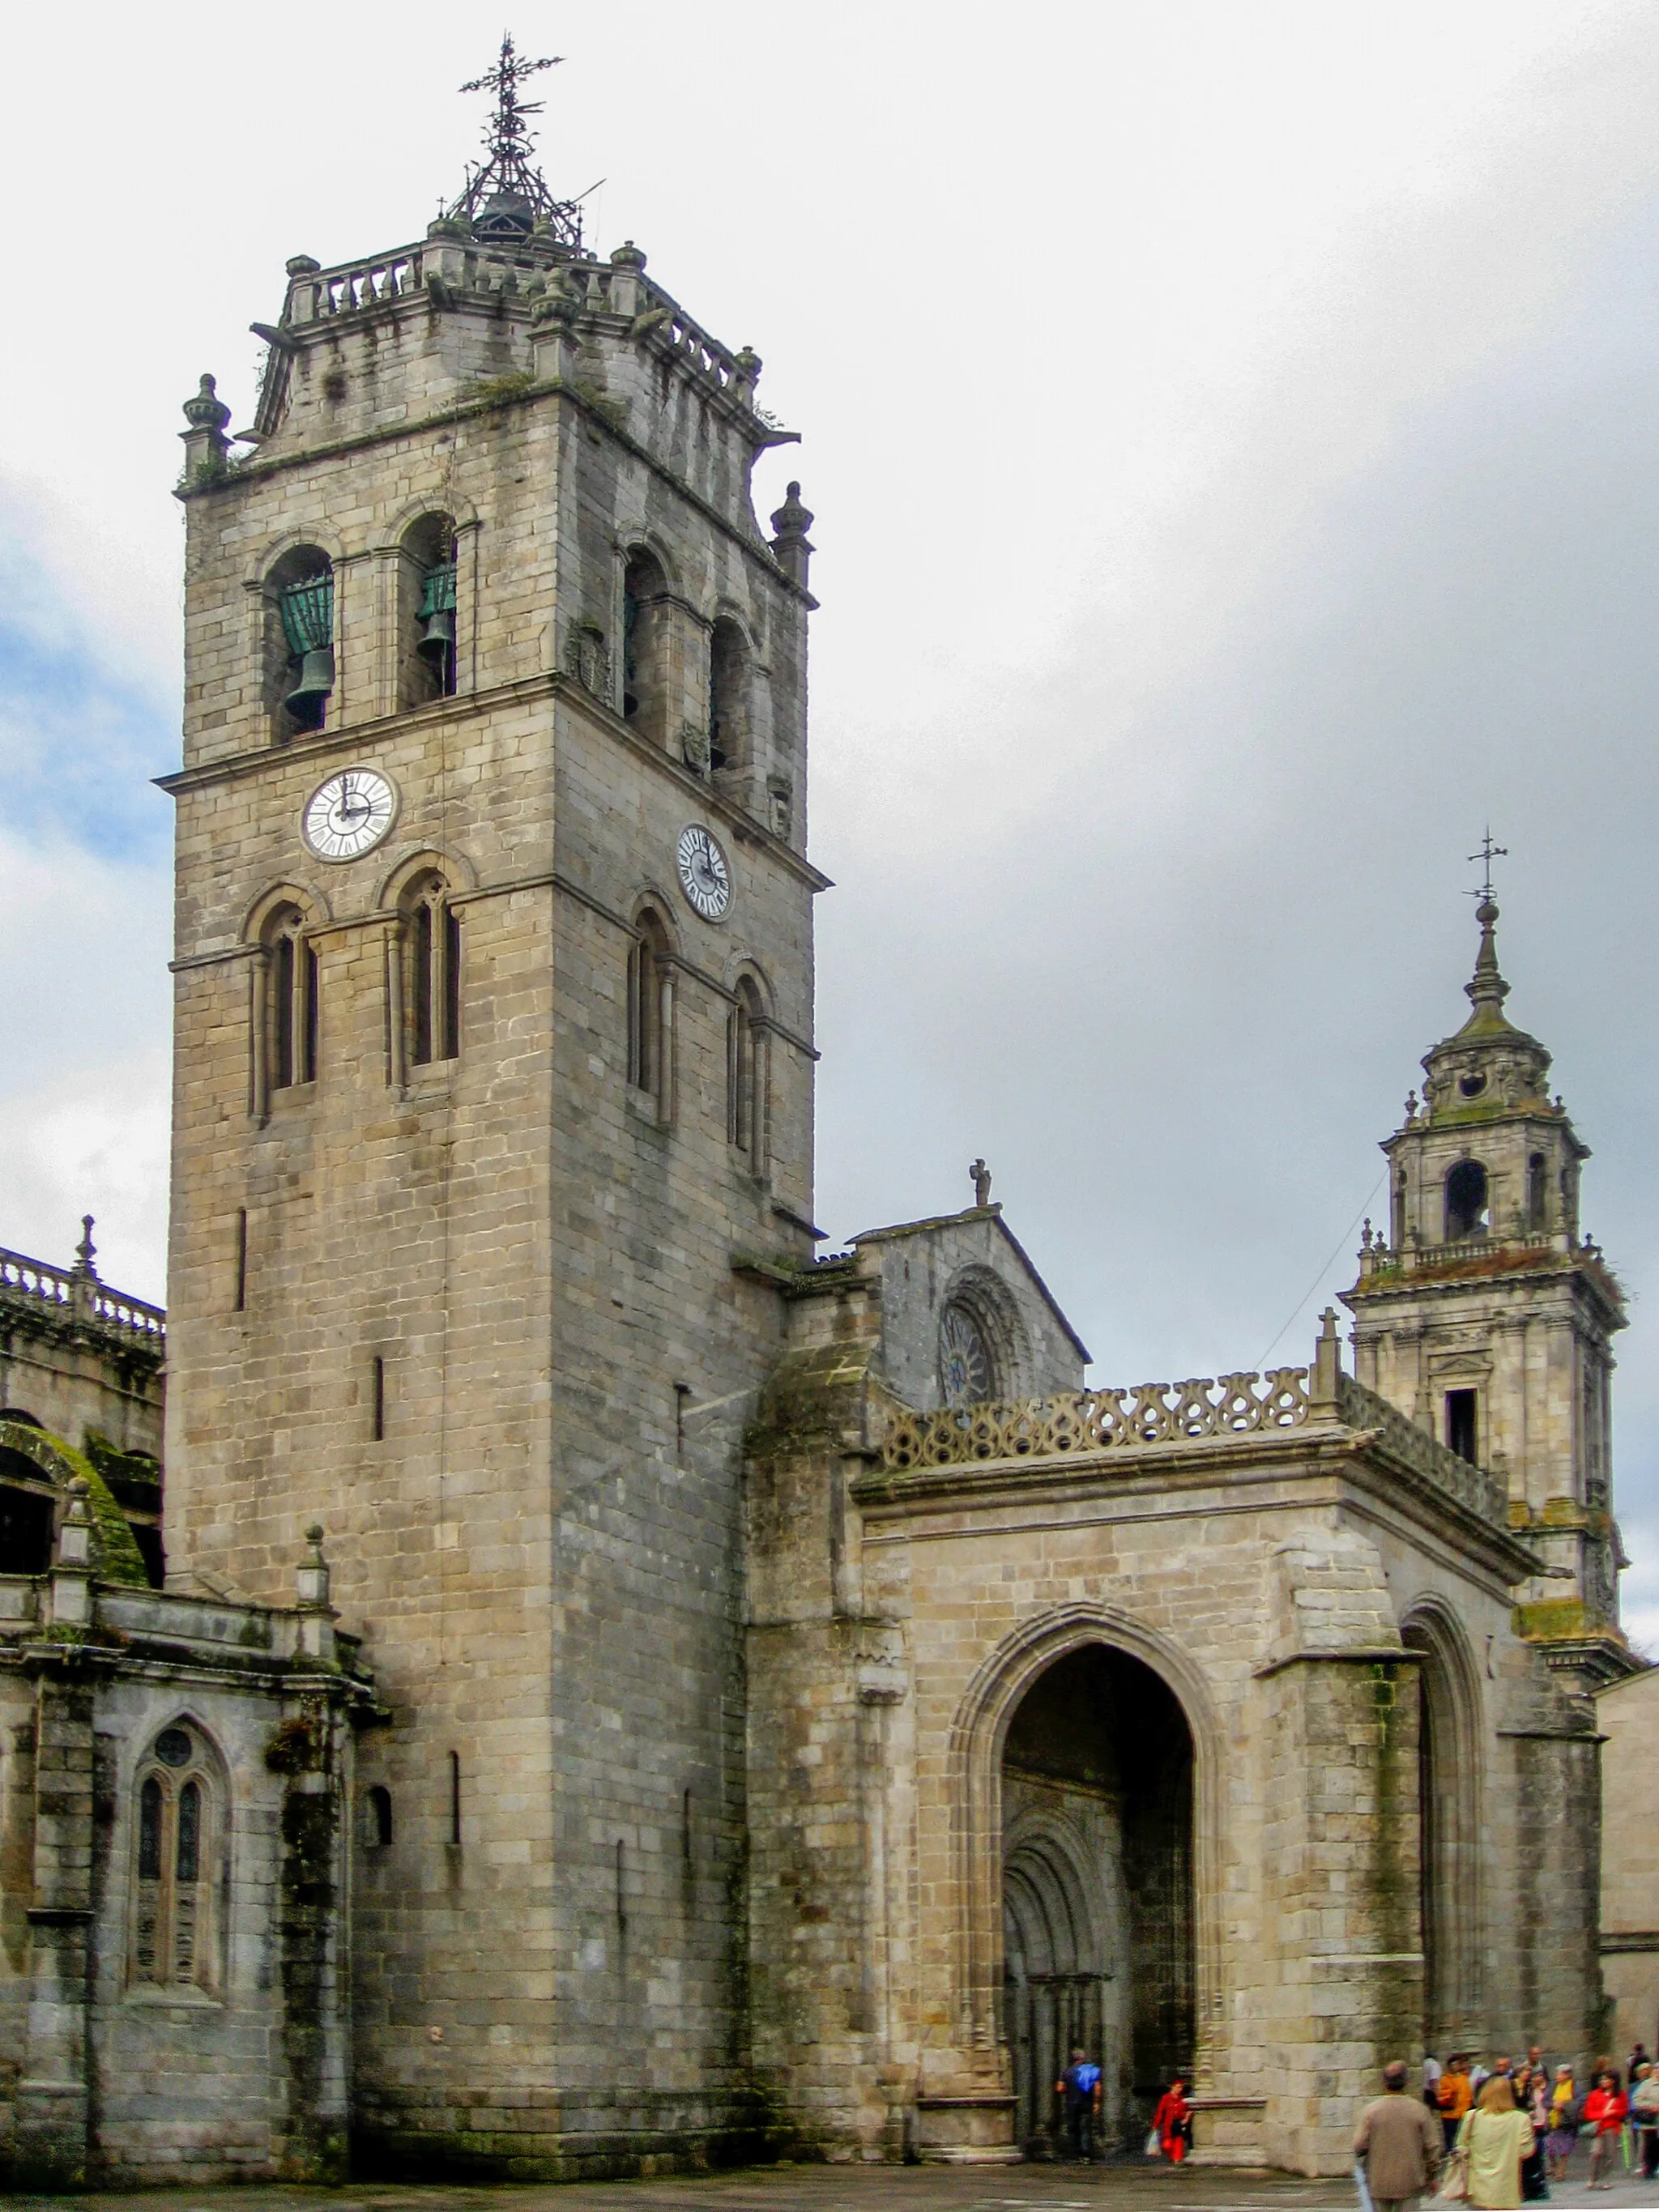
x,y
1487,854
508,196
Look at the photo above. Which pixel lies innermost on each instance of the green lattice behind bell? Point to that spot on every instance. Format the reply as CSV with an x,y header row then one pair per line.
x,y
308,614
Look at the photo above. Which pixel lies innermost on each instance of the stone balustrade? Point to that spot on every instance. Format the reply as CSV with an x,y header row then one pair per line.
x,y
80,1294
596,288
1164,1414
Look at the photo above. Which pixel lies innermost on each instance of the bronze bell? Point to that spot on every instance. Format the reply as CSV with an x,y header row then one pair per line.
x,y
438,637
316,680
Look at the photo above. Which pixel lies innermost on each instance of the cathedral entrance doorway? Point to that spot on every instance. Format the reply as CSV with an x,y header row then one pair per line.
x,y
1097,1890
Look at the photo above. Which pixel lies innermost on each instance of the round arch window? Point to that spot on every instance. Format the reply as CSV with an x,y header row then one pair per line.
x,y
967,1373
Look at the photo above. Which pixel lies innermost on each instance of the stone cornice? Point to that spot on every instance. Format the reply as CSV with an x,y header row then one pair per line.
x,y
333,744
255,470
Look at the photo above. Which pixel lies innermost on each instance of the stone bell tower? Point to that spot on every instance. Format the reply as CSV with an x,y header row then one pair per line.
x,y
494,1057
1488,1317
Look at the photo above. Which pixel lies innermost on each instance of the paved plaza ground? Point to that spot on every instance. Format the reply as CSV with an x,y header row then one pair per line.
x,y
1113,2188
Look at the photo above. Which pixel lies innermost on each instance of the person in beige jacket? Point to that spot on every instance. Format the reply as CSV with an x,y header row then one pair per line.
x,y
1398,2144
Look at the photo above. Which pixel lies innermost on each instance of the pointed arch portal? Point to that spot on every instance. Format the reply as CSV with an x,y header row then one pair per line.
x,y
1098,1903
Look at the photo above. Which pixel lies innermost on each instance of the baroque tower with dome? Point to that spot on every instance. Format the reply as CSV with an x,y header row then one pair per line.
x,y
626,1691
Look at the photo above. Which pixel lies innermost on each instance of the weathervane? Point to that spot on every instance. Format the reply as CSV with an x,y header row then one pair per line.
x,y
1487,854
506,197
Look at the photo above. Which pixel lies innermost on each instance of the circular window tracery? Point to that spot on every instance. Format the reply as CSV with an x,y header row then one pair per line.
x,y
966,1375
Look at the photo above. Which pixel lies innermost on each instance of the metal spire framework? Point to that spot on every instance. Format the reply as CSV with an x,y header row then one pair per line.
x,y
507,196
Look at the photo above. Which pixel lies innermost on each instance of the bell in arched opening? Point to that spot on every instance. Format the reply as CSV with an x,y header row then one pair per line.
x,y
436,617
308,613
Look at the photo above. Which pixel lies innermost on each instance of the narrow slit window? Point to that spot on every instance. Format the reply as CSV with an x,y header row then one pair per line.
x,y
377,1399
241,1259
454,1797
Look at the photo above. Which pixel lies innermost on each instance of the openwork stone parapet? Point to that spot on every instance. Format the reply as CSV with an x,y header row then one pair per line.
x,y
1093,1420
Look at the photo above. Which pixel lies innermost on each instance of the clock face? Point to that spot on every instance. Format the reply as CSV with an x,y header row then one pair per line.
x,y
704,876
350,814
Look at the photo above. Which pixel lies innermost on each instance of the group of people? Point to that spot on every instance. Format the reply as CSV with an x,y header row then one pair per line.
x,y
1505,2132
1078,2090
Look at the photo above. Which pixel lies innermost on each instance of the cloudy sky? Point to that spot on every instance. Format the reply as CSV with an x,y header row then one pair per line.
x,y
1234,435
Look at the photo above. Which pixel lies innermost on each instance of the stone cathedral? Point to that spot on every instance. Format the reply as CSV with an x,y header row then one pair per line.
x,y
610,1689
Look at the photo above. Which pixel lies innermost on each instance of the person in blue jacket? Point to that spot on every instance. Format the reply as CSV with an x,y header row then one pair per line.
x,y
1079,2086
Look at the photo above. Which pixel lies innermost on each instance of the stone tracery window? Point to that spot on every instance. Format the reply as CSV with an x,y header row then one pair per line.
x,y
427,612
728,697
285,1008
177,1850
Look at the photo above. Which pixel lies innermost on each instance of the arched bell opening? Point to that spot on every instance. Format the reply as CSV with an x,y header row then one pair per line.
x,y
426,612
299,641
1097,1891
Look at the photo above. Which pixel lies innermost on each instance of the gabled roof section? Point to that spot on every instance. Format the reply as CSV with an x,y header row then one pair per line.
x,y
993,1215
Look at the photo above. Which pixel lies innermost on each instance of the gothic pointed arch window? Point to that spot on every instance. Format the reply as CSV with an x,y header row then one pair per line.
x,y
179,1829
299,641
432,1010
747,1071
1466,1202
651,1012
427,572
287,1007
728,697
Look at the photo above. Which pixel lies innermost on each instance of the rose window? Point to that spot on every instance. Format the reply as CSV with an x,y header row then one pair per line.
x,y
964,1363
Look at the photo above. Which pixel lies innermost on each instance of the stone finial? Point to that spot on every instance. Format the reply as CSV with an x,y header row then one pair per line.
x,y
204,440
86,1250
303,265
981,1181
206,410
627,256
790,545
312,1577
1487,989
748,366
311,1585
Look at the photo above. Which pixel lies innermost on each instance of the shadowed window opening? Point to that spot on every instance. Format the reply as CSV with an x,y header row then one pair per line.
x,y
1098,1890
644,689
1537,1192
25,1523
1461,1408
728,703
1466,1202
377,1817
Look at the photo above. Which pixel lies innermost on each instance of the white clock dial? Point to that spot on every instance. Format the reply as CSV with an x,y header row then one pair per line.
x,y
704,876
350,814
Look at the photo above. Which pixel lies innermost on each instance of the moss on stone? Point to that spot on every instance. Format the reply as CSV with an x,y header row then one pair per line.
x,y
118,1559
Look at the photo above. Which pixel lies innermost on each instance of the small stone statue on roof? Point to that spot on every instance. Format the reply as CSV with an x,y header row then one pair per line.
x,y
981,1175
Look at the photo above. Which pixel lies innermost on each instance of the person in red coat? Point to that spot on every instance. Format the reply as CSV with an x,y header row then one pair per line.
x,y
1170,2122
1604,2113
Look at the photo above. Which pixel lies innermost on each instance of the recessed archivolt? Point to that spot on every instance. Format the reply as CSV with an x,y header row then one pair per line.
x,y
659,904
293,541
743,969
414,860
461,512
984,1295
314,908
